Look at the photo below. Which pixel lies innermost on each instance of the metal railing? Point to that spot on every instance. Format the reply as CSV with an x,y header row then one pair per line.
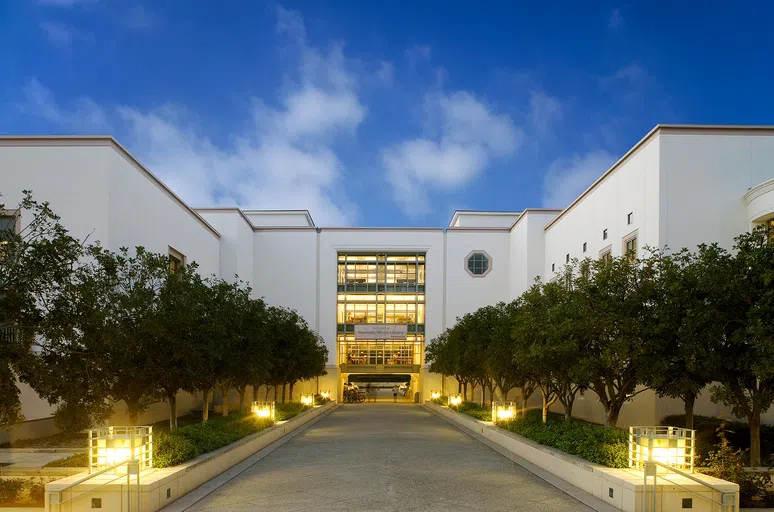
x,y
132,468
727,501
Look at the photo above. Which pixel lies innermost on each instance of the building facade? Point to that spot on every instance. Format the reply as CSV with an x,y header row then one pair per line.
x,y
378,295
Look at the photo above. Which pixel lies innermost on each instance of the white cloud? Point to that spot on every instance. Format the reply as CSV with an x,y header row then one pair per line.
x,y
285,159
566,179
615,20
544,111
62,34
469,136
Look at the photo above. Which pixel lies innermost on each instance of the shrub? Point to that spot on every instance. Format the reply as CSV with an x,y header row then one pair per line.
x,y
737,433
475,410
10,490
593,443
288,410
728,463
78,460
319,400
190,441
442,400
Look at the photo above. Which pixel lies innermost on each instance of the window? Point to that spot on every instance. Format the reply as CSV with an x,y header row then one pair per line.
x,y
176,260
553,267
604,234
630,248
9,226
567,258
478,264
606,253
584,246
770,229
630,218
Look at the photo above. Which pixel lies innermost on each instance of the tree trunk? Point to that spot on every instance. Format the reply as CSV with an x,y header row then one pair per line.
x,y
284,385
266,396
546,404
690,400
224,390
242,393
290,391
205,405
611,416
255,393
459,387
483,395
133,411
568,410
465,391
172,398
754,419
276,393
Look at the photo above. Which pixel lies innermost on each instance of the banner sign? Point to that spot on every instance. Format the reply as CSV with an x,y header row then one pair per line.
x,y
380,331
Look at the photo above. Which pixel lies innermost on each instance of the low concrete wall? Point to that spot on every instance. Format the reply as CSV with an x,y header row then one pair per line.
x,y
160,487
620,488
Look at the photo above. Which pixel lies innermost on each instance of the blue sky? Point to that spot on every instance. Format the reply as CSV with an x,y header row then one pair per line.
x,y
381,113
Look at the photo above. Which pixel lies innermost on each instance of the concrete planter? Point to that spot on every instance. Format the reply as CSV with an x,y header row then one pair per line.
x,y
160,487
619,488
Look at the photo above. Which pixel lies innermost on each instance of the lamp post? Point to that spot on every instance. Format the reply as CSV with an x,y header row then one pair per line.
x,y
503,411
671,446
109,446
264,410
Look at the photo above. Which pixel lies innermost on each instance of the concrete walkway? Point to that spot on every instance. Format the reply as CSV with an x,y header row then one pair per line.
x,y
386,457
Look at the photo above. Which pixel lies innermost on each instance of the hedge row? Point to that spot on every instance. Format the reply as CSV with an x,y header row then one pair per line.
x,y
737,432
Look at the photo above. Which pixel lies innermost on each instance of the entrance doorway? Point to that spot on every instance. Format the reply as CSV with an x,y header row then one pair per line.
x,y
379,387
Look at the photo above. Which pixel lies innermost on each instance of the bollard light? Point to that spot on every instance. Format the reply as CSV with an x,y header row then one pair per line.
x,y
326,394
672,446
307,399
503,411
264,410
455,400
109,446
435,395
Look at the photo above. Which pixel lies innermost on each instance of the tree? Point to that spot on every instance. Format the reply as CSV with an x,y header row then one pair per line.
x,y
739,295
37,255
109,317
608,308
685,359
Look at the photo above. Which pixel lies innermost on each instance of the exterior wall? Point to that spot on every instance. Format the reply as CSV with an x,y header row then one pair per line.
x,y
279,218
236,243
527,241
719,166
633,187
466,293
484,219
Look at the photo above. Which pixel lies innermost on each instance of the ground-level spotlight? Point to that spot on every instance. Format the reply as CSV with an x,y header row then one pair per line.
x,y
671,446
307,399
455,400
503,411
263,410
109,446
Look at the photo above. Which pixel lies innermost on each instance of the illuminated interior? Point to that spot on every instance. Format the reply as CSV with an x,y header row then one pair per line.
x,y
380,352
113,445
263,410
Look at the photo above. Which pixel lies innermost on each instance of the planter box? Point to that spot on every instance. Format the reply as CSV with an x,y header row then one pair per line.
x,y
619,488
160,487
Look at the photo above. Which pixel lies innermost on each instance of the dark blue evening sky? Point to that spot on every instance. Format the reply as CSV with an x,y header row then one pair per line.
x,y
381,113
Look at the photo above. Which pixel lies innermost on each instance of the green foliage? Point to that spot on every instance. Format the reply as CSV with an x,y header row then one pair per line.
x,y
475,410
320,400
11,490
737,433
286,411
190,441
593,443
78,460
728,463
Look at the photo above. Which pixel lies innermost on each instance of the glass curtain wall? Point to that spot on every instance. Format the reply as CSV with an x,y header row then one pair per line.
x,y
381,289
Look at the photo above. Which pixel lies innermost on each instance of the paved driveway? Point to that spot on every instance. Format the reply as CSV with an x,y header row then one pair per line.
x,y
386,457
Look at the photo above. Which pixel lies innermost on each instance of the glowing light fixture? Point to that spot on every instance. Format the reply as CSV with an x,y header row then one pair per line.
x,y
112,445
263,410
326,394
455,400
503,411
435,394
307,399
672,446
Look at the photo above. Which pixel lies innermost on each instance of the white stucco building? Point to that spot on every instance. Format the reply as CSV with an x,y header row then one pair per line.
x,y
678,187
